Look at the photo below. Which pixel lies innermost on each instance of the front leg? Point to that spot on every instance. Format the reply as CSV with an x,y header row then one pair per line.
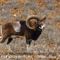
x,y
28,41
28,44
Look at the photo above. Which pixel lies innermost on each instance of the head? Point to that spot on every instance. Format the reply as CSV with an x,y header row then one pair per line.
x,y
33,23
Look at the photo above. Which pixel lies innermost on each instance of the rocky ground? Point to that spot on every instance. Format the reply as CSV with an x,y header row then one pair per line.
x,y
47,47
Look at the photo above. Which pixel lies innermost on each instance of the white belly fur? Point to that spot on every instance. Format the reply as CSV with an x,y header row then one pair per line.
x,y
17,27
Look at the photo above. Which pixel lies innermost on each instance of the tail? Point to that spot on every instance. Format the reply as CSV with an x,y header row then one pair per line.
x,y
1,33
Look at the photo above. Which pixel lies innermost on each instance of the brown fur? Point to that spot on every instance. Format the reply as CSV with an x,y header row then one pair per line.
x,y
7,31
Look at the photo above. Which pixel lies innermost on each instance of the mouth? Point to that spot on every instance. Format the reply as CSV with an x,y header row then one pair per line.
x,y
42,26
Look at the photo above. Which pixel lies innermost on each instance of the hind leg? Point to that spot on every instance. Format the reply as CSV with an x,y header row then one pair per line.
x,y
9,40
5,36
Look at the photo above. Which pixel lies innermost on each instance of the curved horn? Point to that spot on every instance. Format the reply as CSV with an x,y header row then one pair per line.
x,y
29,18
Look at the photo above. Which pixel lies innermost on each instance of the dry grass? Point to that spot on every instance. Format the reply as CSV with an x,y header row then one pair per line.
x,y
3,1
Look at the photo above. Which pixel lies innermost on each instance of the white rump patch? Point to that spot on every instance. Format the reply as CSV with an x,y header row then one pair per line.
x,y
17,26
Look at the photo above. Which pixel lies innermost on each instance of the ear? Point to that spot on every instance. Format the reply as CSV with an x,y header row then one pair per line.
x,y
43,19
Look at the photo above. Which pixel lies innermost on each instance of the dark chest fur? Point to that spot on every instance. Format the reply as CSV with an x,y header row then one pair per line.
x,y
29,33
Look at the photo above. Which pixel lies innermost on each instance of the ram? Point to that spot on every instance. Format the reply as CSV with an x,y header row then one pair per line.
x,y
31,29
